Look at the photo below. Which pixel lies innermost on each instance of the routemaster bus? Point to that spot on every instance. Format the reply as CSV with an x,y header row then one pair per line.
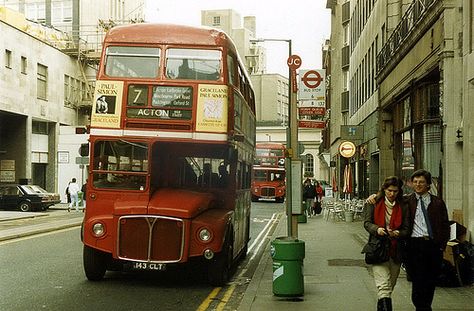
x,y
268,173
172,142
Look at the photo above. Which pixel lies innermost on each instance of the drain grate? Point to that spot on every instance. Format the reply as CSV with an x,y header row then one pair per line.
x,y
347,262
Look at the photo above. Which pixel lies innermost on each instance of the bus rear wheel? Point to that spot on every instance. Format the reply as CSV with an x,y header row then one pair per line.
x,y
219,268
95,263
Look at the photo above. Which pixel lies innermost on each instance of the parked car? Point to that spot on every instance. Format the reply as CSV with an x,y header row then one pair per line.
x,y
26,197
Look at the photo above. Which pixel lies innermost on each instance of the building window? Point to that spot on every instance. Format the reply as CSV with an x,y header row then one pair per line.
x,y
24,65
61,11
36,11
309,167
42,82
8,58
67,90
216,21
39,127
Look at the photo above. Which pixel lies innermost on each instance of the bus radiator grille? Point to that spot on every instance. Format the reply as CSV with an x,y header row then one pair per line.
x,y
150,238
268,192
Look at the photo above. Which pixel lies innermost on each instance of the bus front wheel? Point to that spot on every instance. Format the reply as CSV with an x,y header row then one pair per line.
x,y
95,263
219,269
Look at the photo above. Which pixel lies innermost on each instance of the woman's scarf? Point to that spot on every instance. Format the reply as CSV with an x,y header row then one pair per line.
x,y
395,220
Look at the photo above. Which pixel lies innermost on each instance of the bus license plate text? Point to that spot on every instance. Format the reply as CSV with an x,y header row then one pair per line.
x,y
148,266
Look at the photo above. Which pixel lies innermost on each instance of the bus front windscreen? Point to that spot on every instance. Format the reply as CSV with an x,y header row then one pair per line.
x,y
132,62
120,164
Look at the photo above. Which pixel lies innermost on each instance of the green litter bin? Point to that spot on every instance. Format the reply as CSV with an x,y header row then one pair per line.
x,y
287,254
302,219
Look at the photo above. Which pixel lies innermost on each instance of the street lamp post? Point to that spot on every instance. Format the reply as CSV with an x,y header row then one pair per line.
x,y
288,252
291,139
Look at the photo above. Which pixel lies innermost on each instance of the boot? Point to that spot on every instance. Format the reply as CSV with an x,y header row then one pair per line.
x,y
386,304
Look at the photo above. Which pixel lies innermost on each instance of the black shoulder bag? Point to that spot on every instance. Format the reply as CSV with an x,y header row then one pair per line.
x,y
376,250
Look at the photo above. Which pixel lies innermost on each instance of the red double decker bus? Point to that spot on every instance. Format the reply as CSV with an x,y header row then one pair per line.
x,y
172,141
268,173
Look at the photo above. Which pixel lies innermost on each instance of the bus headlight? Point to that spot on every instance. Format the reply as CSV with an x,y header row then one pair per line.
x,y
98,229
205,235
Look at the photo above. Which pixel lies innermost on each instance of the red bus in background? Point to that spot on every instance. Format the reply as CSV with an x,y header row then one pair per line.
x,y
172,142
268,172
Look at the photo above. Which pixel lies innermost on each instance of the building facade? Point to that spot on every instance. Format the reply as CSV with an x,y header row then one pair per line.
x,y
410,83
48,71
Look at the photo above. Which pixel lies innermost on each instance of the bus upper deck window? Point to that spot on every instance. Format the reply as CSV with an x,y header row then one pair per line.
x,y
132,61
193,64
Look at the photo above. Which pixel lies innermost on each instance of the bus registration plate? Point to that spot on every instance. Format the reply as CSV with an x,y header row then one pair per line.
x,y
149,266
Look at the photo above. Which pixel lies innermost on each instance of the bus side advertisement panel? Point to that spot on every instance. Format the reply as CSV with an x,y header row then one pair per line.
x,y
212,106
107,104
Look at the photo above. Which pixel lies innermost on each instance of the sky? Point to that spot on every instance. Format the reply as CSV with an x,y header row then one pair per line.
x,y
305,22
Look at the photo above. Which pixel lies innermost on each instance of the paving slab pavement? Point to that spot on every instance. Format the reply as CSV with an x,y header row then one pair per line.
x,y
14,224
336,276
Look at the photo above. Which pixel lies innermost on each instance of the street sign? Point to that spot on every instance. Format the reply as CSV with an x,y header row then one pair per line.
x,y
312,84
294,62
347,149
311,124
82,160
311,79
312,103
311,111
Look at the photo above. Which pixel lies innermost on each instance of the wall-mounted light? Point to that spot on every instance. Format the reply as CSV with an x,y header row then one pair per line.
x,y
459,135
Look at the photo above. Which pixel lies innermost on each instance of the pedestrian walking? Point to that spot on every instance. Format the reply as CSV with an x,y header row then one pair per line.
x,y
318,199
73,192
68,195
429,234
309,192
388,219
84,192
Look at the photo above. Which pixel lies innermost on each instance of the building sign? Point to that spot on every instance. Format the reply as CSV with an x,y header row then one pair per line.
x,y
211,113
312,84
107,105
352,132
7,171
7,165
347,149
311,111
311,124
7,176
63,157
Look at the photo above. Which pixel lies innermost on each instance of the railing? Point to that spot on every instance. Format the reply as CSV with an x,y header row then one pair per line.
x,y
414,14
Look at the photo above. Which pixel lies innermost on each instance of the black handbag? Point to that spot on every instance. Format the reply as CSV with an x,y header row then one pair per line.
x,y
376,250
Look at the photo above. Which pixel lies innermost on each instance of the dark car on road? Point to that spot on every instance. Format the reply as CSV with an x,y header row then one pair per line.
x,y
26,198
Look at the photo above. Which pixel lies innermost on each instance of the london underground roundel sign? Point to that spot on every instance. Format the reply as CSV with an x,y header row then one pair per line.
x,y
347,149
